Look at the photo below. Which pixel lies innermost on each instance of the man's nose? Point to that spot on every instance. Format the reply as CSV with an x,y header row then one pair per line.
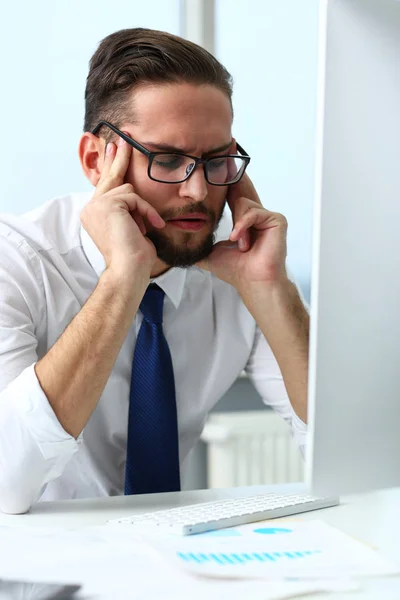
x,y
196,186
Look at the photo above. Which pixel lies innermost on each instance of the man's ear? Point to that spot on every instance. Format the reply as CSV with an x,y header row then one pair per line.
x,y
91,151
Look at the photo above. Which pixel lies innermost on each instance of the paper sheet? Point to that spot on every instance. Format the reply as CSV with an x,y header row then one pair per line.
x,y
110,563
304,550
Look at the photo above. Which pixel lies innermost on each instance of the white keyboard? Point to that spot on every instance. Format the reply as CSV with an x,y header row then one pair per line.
x,y
208,516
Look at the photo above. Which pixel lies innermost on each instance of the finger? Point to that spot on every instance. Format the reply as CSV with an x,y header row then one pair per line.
x,y
109,155
248,189
136,203
244,242
238,207
132,203
259,218
115,172
240,204
244,188
126,188
139,222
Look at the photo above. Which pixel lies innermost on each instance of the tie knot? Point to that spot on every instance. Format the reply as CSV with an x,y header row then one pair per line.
x,y
152,304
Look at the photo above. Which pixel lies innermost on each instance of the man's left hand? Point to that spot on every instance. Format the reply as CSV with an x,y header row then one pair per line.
x,y
256,250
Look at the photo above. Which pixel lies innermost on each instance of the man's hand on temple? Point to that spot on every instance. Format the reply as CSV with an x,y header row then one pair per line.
x,y
253,261
256,250
115,217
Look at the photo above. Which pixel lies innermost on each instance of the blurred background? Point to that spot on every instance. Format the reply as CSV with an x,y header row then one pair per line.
x,y
270,47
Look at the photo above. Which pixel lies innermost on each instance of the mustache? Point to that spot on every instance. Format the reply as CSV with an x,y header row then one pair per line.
x,y
193,207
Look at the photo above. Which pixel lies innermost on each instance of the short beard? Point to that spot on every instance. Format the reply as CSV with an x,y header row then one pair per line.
x,y
182,256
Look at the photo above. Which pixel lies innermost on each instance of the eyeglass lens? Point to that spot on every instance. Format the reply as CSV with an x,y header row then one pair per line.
x,y
174,168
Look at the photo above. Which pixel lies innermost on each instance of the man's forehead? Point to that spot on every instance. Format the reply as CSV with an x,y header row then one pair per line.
x,y
186,97
182,114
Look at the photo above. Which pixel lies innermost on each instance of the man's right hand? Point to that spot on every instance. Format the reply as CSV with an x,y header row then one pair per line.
x,y
75,371
114,216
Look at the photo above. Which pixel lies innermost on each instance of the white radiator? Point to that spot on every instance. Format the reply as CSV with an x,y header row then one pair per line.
x,y
250,448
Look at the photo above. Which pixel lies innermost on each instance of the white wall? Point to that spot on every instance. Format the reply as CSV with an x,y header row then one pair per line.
x,y
45,47
270,47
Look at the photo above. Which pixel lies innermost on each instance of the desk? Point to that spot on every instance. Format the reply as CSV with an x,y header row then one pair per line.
x,y
373,518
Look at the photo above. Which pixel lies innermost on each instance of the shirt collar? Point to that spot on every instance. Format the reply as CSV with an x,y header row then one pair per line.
x,y
172,282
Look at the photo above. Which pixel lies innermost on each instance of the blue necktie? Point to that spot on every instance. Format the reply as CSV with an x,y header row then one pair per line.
x,y
152,458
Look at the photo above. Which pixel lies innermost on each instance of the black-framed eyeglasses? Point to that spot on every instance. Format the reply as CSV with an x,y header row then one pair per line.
x,y
176,167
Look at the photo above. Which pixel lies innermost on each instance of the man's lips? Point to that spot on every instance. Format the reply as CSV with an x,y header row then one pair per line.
x,y
189,222
191,216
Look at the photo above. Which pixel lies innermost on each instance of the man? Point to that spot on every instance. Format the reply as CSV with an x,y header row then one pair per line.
x,y
121,321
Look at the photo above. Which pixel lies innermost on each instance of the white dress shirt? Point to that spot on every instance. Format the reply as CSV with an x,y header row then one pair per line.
x,y
49,266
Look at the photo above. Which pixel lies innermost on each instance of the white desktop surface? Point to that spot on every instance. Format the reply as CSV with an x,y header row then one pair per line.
x,y
372,518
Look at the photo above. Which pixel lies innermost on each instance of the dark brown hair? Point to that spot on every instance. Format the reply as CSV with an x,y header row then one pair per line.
x,y
131,57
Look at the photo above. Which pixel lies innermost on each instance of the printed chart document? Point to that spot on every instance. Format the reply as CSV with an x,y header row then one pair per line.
x,y
303,550
111,563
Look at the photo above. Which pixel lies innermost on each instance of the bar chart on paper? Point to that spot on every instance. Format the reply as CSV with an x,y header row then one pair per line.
x,y
296,549
243,558
232,558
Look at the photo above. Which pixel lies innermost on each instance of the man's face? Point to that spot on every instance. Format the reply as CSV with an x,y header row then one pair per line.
x,y
195,120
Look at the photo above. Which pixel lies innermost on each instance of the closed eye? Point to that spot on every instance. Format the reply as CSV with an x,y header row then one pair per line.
x,y
168,161
217,163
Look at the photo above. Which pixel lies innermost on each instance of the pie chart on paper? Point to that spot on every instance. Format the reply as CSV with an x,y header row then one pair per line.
x,y
232,532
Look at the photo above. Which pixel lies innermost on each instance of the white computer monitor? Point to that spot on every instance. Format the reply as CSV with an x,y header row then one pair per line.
x,y
354,380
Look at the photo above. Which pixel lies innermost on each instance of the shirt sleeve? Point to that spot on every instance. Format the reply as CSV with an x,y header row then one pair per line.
x,y
34,447
263,371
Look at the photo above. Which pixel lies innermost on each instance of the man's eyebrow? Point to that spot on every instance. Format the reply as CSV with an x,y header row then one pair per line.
x,y
168,148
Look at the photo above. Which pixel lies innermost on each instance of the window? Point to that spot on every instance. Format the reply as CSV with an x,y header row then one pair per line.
x,y
45,47
271,49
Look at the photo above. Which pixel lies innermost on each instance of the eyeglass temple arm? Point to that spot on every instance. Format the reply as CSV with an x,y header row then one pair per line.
x,y
139,146
125,137
241,150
